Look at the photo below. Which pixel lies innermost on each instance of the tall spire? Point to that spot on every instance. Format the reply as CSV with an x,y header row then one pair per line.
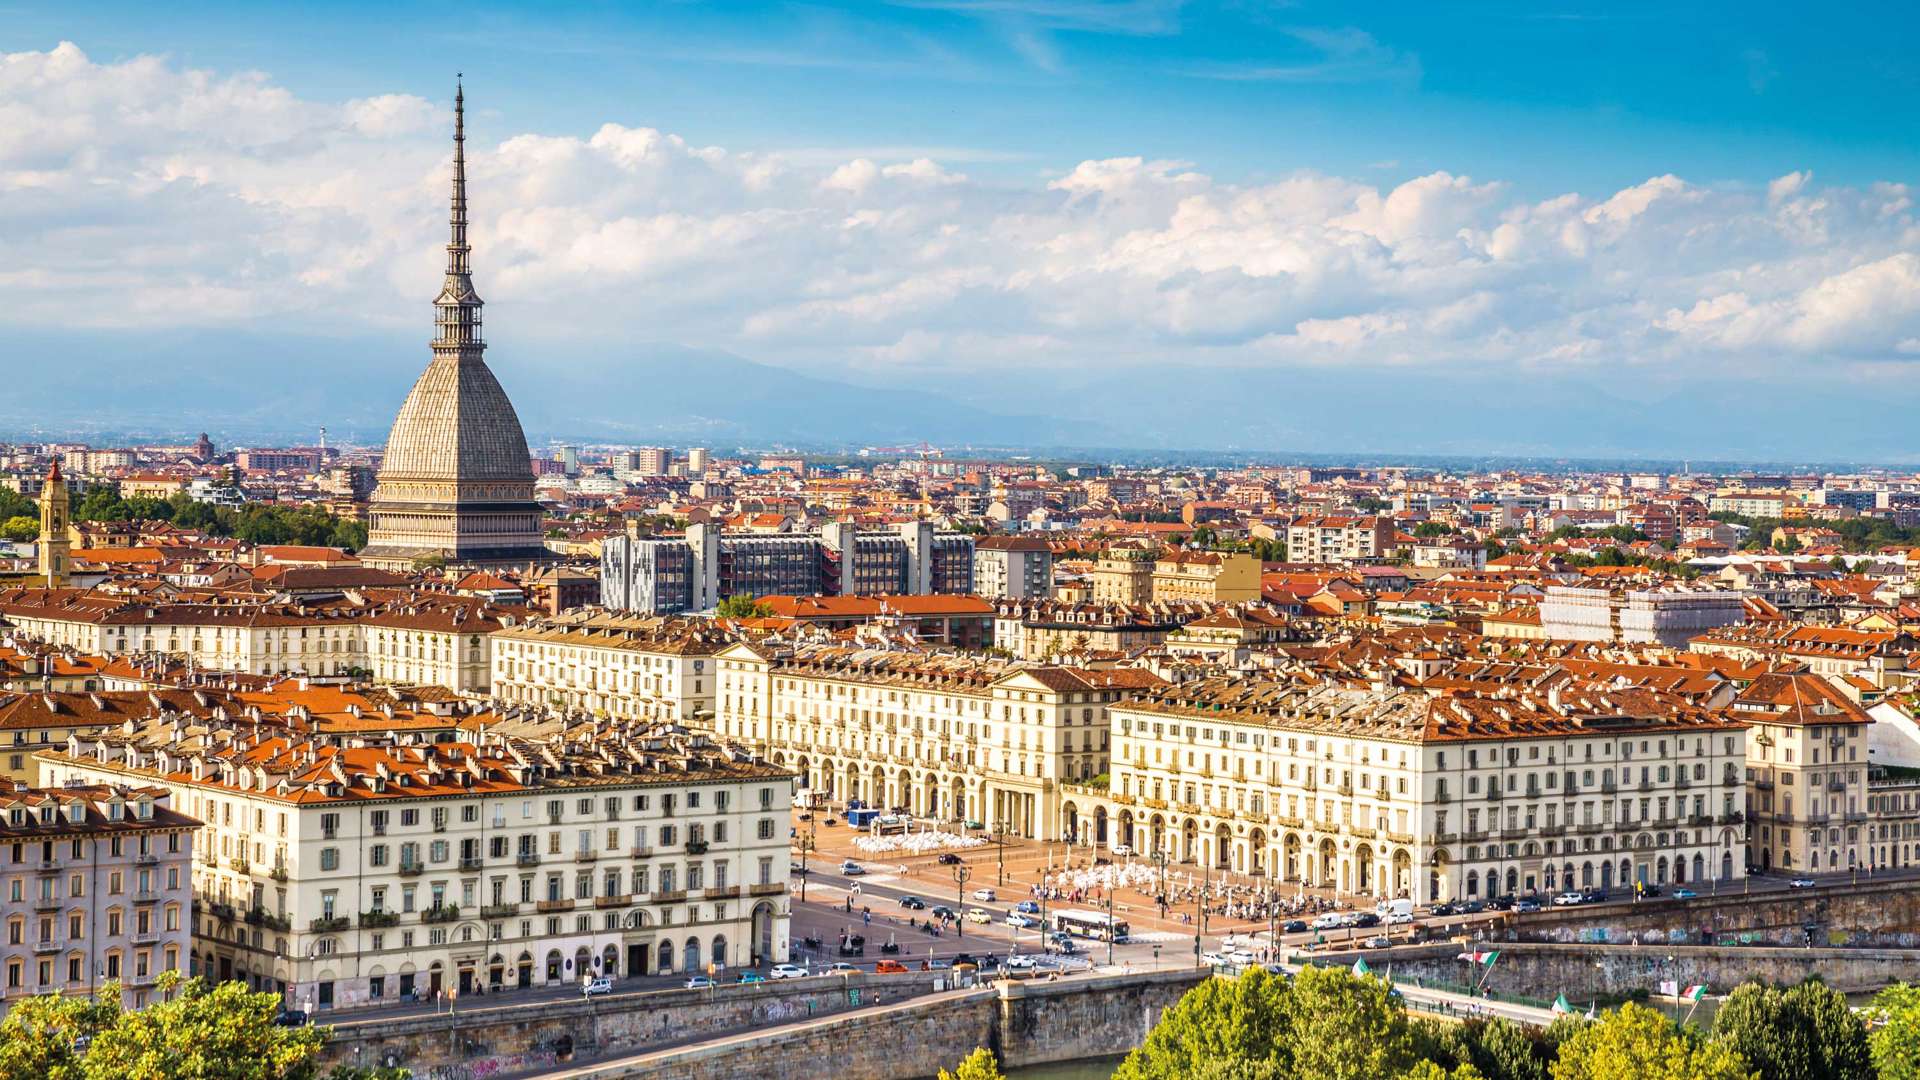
x,y
457,309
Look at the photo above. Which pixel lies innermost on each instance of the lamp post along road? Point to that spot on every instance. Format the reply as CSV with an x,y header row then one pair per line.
x,y
1000,831
960,875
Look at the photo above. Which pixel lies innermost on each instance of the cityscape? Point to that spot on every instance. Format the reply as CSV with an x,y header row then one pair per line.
x,y
933,667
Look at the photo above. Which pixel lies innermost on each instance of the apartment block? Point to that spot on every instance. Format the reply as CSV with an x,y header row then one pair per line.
x,y
97,882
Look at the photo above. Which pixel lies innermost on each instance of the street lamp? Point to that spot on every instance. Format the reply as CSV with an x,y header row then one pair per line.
x,y
806,846
960,875
1000,831
1160,860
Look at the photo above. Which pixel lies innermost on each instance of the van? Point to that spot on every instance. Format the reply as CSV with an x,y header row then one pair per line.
x,y
1395,912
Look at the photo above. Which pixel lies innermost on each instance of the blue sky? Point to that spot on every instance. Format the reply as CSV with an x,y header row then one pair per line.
x,y
1051,208
1551,96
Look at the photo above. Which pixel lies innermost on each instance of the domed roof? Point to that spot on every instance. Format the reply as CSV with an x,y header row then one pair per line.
x,y
457,424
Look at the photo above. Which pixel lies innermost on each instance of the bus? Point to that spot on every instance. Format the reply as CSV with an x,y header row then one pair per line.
x,y
1088,924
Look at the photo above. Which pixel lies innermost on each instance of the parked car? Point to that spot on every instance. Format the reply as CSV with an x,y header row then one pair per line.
x,y
1594,895
1526,905
948,858
1801,883
1684,894
698,982
985,895
1027,907
1294,926
942,911
292,1018
1501,903
890,967
839,967
1022,922
1241,957
601,985
1328,920
913,902
1569,899
752,977
1121,850
1380,942
1401,918
1213,959
1473,907
1365,920
1443,910
1021,963
789,971
978,915
852,869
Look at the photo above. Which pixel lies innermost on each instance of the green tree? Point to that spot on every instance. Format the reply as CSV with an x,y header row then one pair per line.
x,y
743,606
1346,1027
1427,529
1896,1042
1806,1033
202,1032
20,527
1637,1043
433,561
1242,1020
13,505
979,1065
1503,1050
38,1036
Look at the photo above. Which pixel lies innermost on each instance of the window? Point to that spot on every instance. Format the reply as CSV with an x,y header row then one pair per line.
x,y
329,858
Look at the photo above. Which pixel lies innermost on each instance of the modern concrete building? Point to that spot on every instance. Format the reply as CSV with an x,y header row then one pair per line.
x,y
97,883
1013,568
669,575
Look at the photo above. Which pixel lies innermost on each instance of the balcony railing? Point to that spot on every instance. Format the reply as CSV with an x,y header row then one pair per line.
x,y
696,847
612,901
546,906
377,920
442,914
471,862
262,917
325,925
408,869
528,858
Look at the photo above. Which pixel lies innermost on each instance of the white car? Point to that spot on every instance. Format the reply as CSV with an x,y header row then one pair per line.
x,y
788,971
1022,922
1121,850
979,915
698,982
984,895
1569,899
601,985
1021,963
1241,957
1801,883
1213,959
1400,918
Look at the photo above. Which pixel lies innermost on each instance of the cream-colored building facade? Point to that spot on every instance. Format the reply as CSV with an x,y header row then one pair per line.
x,y
348,877
1398,793
613,666
953,737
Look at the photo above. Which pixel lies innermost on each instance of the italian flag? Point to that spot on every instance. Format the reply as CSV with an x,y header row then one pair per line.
x,y
1360,967
1695,992
1480,956
1560,1006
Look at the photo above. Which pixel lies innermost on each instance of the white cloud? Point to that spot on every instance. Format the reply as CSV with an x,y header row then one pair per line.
x,y
141,193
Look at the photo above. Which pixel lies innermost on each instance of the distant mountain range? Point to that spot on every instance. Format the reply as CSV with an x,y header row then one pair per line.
x,y
251,387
